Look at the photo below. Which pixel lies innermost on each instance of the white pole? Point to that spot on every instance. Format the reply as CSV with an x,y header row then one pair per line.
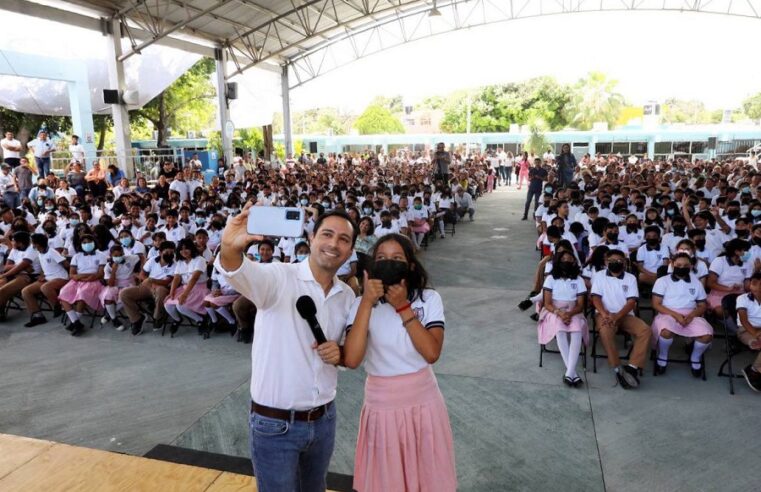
x,y
467,127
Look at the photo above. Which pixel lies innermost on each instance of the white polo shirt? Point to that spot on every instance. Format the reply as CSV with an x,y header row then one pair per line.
x,y
156,270
634,239
125,270
176,234
564,289
390,351
750,304
381,231
10,154
678,294
652,259
729,275
345,269
286,372
51,264
30,254
186,269
614,291
89,263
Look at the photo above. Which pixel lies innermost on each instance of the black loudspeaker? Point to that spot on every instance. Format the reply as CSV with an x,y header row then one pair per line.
x,y
232,90
312,147
711,143
110,96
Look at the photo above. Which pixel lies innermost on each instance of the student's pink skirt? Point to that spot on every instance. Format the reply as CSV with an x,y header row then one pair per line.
x,y
220,301
550,324
422,228
111,294
194,302
714,297
405,441
697,328
89,292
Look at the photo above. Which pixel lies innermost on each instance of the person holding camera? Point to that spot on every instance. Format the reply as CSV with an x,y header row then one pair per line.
x,y
397,329
293,379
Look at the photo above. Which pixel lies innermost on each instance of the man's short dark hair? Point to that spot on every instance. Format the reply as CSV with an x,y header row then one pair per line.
x,y
340,214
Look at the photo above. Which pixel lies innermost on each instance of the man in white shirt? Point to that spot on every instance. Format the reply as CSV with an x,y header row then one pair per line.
x,y
43,148
465,203
11,150
77,150
293,379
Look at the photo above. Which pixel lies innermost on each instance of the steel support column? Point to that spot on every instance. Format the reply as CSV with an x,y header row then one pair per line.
x,y
224,106
287,135
119,111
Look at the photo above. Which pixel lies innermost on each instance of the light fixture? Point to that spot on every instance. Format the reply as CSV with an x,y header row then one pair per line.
x,y
434,11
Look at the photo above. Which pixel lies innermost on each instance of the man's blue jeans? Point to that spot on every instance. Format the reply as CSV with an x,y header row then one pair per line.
x,y
292,456
43,166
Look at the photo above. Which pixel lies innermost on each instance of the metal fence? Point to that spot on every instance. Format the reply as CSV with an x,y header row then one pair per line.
x,y
145,162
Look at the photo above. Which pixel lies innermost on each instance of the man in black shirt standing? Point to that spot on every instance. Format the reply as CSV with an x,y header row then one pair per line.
x,y
441,162
537,175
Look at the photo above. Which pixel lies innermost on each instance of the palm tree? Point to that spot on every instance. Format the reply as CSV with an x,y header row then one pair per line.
x,y
594,99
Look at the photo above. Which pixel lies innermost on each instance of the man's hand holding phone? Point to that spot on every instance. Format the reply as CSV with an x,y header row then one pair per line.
x,y
235,238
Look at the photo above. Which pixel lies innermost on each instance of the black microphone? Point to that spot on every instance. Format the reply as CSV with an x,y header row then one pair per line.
x,y
306,308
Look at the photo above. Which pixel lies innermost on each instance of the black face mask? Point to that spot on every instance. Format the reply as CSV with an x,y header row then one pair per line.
x,y
679,230
733,214
612,237
632,227
700,243
386,223
655,242
50,231
390,272
167,257
742,234
568,269
682,272
616,268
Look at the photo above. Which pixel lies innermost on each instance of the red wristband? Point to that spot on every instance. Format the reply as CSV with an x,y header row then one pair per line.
x,y
403,307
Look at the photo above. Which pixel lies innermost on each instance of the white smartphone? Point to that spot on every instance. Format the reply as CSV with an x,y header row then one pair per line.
x,y
276,221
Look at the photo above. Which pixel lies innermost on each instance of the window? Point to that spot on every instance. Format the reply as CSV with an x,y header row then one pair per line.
x,y
511,147
682,147
603,147
639,148
662,147
621,148
698,147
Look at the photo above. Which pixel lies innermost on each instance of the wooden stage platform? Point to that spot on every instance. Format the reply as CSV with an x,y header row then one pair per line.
x,y
30,465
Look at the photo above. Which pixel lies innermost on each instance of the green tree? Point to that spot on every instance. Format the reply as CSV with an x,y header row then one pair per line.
x,y
394,103
377,119
317,121
536,142
594,99
752,106
26,125
689,111
185,105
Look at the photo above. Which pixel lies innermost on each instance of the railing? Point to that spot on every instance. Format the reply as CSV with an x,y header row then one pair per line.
x,y
143,162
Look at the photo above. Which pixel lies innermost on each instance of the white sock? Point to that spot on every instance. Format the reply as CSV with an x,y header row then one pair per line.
x,y
226,314
664,344
171,310
573,354
562,341
441,227
212,314
111,310
73,316
697,353
185,311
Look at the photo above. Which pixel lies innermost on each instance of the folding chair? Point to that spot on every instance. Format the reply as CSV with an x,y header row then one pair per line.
x,y
596,335
732,344
543,349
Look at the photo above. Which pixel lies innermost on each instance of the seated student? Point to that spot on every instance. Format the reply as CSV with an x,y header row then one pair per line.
x,y
419,226
678,232
222,296
728,273
614,295
347,273
157,239
132,247
85,273
633,235
651,256
21,269
543,269
54,275
679,300
611,240
699,268
387,225
595,263
188,288
703,253
749,329
119,274
264,252
301,251
201,238
562,314
174,231
155,277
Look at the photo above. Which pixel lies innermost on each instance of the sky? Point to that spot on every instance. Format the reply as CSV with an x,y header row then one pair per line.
x,y
653,55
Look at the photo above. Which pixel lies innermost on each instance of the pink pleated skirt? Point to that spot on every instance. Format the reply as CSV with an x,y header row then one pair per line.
x,y
221,301
405,440
194,302
550,324
697,328
112,293
75,291
714,297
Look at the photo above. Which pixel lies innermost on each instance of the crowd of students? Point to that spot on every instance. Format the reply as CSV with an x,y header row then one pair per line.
x,y
624,231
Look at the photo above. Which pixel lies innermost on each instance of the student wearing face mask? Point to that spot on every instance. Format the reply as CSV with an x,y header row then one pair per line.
x,y
562,314
218,303
85,273
729,273
633,235
53,276
131,246
387,225
119,274
699,268
702,251
651,256
680,301
611,239
21,268
188,288
301,252
678,232
397,330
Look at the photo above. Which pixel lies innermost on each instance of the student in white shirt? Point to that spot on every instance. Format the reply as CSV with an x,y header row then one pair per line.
x,y
397,330
85,273
119,274
729,273
387,225
420,221
614,295
680,301
218,302
54,275
562,315
749,329
188,289
21,268
651,256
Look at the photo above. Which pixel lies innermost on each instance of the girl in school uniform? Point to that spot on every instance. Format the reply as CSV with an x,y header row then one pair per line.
x,y
405,440
85,274
21,268
562,314
728,273
420,225
680,301
221,297
119,274
188,289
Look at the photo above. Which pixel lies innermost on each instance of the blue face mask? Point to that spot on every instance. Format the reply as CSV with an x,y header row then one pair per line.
x,y
745,256
326,205
746,189
300,258
755,213
40,202
200,220
304,201
257,257
88,247
126,241
118,259
74,222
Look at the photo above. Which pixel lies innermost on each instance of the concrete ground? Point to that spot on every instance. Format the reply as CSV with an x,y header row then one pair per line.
x,y
516,426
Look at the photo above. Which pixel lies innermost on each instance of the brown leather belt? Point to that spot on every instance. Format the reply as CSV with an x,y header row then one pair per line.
x,y
302,415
